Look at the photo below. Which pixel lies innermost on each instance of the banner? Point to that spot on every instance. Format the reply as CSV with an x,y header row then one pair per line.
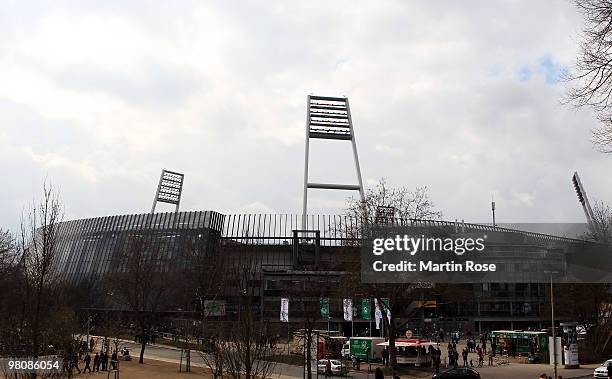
x,y
347,305
366,311
386,301
377,313
324,303
214,308
284,311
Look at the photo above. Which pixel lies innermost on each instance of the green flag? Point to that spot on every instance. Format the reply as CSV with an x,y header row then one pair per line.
x,y
366,312
324,304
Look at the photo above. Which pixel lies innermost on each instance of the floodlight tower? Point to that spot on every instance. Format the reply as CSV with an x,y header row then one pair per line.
x,y
169,189
329,118
584,201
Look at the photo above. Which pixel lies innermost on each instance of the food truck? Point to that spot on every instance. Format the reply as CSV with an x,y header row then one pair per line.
x,y
366,348
519,342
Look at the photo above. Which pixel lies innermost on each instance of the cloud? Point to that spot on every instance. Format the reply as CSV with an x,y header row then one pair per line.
x,y
101,97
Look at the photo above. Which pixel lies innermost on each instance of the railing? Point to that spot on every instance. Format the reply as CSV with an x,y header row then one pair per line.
x,y
270,229
276,229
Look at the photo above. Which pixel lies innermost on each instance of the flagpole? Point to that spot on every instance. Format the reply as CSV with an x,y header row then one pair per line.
x,y
370,317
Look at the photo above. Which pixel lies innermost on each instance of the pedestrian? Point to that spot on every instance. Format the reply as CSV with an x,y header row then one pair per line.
x,y
75,363
464,353
490,357
66,364
480,358
328,370
104,360
378,374
87,360
385,356
92,344
97,362
114,360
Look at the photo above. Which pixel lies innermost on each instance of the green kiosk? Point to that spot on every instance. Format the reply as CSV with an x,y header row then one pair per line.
x,y
518,342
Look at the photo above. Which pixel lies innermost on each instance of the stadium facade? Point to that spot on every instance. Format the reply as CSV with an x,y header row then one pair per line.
x,y
286,253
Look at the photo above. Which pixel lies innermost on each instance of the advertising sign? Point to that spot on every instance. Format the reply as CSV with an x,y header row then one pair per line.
x,y
324,304
360,348
214,308
284,311
366,311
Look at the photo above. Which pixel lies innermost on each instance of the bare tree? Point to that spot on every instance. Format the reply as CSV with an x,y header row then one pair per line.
x,y
402,202
38,262
592,82
205,282
602,218
385,205
12,300
247,349
140,282
306,294
590,305
7,249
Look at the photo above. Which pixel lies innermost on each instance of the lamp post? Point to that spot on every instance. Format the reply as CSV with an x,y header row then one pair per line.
x,y
552,317
354,310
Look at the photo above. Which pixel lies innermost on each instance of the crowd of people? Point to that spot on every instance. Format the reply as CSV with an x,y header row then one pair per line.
x,y
104,360
478,346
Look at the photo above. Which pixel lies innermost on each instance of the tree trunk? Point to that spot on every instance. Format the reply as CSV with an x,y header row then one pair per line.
x,y
143,344
392,350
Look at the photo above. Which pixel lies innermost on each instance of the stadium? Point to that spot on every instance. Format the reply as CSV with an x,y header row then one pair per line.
x,y
292,249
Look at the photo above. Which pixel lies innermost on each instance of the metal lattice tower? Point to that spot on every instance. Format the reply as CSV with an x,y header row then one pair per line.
x,y
584,201
329,118
169,189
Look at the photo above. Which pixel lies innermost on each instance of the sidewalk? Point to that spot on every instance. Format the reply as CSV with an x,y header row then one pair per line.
x,y
171,355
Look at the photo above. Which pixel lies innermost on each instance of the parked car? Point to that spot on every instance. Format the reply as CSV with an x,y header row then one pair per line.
x,y
458,373
337,367
602,371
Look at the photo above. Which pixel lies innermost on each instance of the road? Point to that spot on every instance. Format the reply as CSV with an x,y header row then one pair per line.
x,y
511,371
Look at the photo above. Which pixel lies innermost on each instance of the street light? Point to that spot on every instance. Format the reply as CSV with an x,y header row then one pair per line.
x,y
552,316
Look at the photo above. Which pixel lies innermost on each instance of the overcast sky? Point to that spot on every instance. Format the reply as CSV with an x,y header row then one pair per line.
x,y
462,97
